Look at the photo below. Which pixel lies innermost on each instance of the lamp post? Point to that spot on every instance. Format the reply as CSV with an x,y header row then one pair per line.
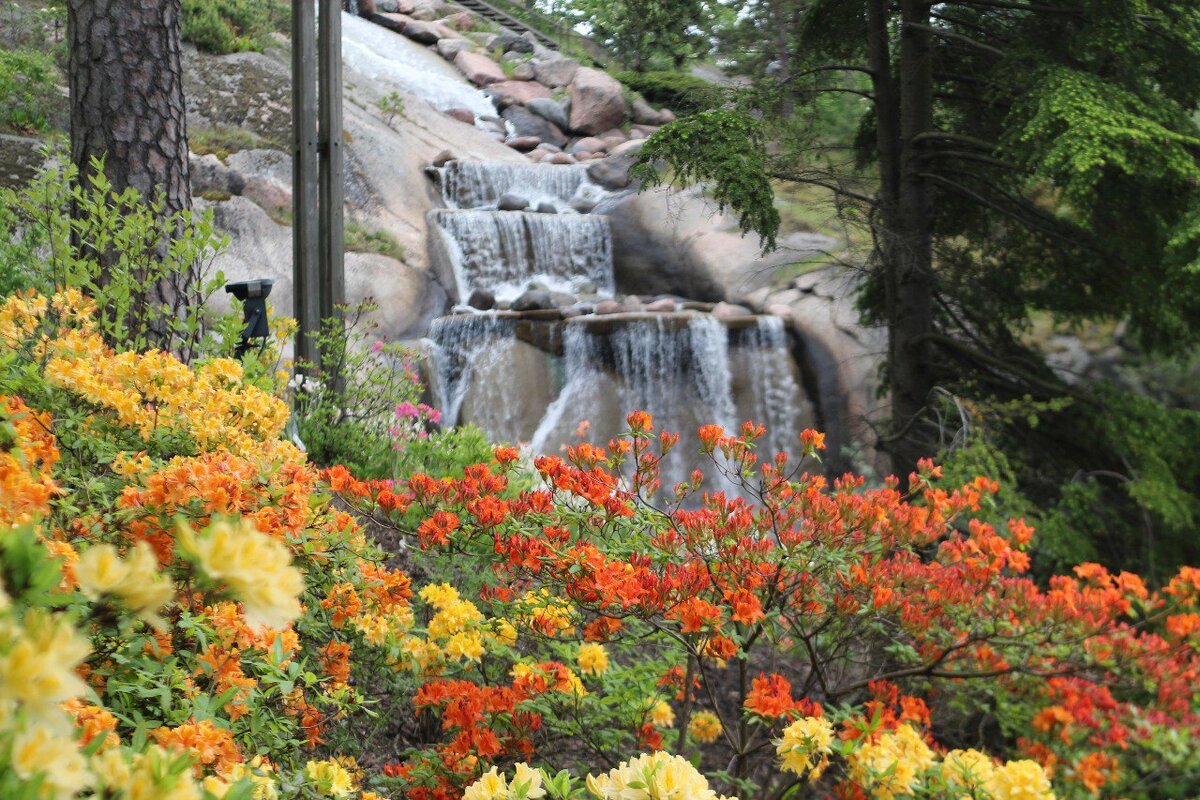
x,y
318,259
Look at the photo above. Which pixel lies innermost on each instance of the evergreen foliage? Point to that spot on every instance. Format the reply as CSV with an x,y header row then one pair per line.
x,y
1029,159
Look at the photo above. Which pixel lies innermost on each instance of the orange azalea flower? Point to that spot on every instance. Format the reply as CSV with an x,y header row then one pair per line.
x,y
93,721
335,661
210,746
770,696
640,422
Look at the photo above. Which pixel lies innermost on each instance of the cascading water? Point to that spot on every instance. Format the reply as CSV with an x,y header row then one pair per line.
x,y
674,366
537,378
773,396
470,184
506,251
392,60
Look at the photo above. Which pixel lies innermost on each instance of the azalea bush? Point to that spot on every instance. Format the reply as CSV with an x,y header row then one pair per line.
x,y
795,637
190,608
166,561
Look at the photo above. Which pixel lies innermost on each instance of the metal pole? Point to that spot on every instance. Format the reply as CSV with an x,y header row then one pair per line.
x,y
305,243
332,256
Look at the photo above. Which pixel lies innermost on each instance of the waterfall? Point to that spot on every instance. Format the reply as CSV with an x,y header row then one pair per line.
x,y
389,58
536,377
677,369
472,184
774,396
505,251
459,345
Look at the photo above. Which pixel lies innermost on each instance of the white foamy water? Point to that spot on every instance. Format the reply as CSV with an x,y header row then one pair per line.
x,y
390,59
505,251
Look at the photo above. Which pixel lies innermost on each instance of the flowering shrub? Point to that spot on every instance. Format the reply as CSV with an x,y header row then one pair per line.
x,y
190,609
164,558
798,633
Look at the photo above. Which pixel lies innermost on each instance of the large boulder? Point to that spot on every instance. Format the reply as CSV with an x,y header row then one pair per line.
x,y
523,72
209,174
613,172
555,71
597,101
533,300
526,123
509,41
250,91
507,93
479,69
550,110
449,48
20,159
424,32
266,177
644,114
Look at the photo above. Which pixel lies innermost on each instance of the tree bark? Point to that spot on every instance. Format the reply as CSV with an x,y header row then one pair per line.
x,y
911,259
903,228
126,83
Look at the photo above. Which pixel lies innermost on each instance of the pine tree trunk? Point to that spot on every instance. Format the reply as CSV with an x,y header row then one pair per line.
x,y
127,107
912,261
126,84
903,225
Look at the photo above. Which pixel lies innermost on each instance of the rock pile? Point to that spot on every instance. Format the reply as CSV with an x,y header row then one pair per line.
x,y
550,106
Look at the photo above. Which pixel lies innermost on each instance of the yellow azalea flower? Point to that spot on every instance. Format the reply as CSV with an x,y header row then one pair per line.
x,y
439,595
968,770
329,778
56,758
503,632
264,784
255,568
704,727
891,764
155,776
1021,780
39,667
100,571
465,646
652,776
145,589
136,581
592,658
527,782
490,786
111,767
215,786
374,627
661,714
805,745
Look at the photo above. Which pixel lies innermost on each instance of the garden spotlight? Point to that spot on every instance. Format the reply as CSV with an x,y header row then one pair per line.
x,y
253,295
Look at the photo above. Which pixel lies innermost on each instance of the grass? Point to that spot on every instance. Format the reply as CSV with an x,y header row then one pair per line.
x,y
360,240
805,208
222,141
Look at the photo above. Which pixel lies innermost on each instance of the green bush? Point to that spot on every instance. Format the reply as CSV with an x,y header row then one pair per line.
x,y
26,88
232,26
678,91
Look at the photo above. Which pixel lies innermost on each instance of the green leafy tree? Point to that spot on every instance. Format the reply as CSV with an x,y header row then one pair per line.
x,y
641,32
1026,158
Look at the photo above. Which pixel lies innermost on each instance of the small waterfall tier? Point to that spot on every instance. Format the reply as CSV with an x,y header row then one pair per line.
x,y
537,381
473,184
506,252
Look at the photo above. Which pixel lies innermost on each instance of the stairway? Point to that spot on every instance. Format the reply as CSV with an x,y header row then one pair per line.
x,y
547,31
